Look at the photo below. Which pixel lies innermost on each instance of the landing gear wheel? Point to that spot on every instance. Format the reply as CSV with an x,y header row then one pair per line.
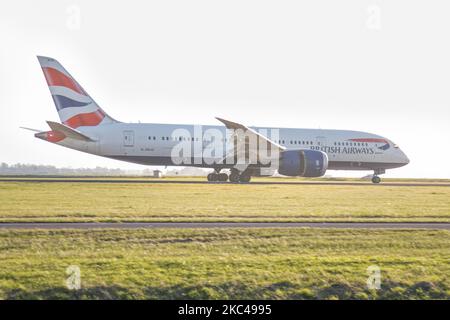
x,y
212,177
245,178
376,179
223,177
234,177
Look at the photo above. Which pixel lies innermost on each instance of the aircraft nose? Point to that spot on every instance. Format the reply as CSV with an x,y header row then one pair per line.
x,y
404,158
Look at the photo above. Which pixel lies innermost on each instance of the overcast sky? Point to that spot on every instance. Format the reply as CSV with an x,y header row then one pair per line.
x,y
377,66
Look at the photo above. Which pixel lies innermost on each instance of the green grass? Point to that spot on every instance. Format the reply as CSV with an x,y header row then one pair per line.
x,y
225,263
220,202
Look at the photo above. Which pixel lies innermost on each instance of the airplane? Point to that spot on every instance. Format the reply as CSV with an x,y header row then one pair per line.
x,y
295,152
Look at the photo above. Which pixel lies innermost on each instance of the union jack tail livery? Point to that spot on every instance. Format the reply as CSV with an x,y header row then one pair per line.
x,y
75,107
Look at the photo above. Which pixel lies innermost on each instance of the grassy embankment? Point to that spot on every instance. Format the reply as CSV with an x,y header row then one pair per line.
x,y
225,263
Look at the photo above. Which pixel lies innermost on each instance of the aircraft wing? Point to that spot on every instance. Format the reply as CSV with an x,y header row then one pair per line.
x,y
249,131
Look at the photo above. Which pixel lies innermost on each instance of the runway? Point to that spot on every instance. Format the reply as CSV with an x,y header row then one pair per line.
x,y
140,181
215,225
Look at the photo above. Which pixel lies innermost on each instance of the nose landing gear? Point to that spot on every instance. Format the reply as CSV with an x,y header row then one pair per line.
x,y
375,177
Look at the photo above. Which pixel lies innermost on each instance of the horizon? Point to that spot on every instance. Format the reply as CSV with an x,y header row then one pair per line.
x,y
167,171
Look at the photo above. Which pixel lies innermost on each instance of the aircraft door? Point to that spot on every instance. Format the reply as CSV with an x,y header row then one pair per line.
x,y
128,142
128,138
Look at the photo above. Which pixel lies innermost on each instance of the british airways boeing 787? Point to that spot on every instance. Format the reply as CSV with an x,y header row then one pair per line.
x,y
245,151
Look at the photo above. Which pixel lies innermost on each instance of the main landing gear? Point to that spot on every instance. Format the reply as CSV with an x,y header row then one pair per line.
x,y
234,177
375,177
217,177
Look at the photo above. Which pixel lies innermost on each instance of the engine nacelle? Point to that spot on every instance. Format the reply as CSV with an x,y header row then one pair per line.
x,y
303,163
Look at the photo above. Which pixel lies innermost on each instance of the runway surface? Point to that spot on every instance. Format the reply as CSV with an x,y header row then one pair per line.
x,y
211,225
318,183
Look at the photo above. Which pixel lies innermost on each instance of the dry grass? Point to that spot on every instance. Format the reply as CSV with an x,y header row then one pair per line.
x,y
220,202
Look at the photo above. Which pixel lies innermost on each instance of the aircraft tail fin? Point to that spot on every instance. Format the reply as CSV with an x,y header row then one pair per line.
x,y
75,107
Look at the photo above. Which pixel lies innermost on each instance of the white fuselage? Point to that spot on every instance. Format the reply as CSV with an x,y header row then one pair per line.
x,y
152,144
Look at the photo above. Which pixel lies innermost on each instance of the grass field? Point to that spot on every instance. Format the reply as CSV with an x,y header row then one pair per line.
x,y
223,263
220,202
226,263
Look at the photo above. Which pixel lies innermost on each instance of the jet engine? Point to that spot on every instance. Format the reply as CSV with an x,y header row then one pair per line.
x,y
303,163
